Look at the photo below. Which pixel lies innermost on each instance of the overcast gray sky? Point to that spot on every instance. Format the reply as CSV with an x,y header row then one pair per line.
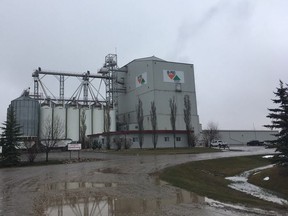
x,y
239,48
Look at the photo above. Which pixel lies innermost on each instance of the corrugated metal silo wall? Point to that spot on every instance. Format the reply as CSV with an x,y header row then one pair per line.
x,y
113,120
27,115
45,115
73,117
98,120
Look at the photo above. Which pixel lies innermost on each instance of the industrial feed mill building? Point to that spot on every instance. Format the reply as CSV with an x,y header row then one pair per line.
x,y
118,93
147,79
153,79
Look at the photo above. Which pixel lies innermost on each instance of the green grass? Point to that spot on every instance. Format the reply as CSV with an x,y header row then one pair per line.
x,y
207,178
165,151
278,179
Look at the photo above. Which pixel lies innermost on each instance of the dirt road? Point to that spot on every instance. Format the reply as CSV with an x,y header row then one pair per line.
x,y
115,186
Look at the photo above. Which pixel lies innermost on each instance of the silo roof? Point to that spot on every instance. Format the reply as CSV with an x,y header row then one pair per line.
x,y
24,97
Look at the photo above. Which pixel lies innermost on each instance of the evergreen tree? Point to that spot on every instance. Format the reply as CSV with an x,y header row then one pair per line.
x,y
9,139
279,120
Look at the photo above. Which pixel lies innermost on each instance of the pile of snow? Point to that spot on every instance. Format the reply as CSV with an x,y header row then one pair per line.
x,y
266,178
268,156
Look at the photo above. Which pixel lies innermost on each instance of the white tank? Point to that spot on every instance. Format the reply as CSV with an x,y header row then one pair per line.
x,y
45,115
113,120
60,113
98,120
73,123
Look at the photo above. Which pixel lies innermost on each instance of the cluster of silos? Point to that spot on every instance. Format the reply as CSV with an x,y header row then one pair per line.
x,y
70,117
34,117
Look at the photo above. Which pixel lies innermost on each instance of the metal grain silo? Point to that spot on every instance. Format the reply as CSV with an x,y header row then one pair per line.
x,y
98,120
59,113
27,114
73,117
45,117
113,120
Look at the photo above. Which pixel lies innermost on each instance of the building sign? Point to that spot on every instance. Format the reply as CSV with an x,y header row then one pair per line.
x,y
141,79
74,147
173,76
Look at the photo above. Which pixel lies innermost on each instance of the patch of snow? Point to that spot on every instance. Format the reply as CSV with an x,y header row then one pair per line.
x,y
240,183
268,156
244,209
266,178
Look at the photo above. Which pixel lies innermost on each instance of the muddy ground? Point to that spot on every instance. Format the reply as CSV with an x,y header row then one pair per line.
x,y
115,185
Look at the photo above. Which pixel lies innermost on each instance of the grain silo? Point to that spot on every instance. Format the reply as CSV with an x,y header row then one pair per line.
x,y
73,122
27,114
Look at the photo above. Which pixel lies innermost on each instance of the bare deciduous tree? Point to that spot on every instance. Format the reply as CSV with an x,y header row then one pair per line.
x,y
140,120
173,112
83,128
53,131
122,142
31,147
107,125
210,133
187,119
153,117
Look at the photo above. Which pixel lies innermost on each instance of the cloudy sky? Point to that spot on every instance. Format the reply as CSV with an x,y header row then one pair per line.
x,y
239,48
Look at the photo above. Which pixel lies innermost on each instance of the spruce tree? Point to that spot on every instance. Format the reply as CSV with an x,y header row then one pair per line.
x,y
9,139
279,121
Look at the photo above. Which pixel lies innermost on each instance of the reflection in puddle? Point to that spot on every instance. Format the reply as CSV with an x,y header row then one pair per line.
x,y
76,185
74,203
240,183
1,204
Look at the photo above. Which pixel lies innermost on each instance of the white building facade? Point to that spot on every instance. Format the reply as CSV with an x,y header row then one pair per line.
x,y
153,79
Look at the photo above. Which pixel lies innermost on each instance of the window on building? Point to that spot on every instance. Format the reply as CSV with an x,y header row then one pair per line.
x,y
178,139
135,139
166,139
178,87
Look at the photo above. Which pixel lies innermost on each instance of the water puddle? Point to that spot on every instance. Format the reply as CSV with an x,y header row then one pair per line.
x,y
1,204
75,185
240,183
85,203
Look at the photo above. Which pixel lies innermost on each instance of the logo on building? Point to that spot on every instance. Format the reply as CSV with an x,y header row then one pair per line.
x,y
173,76
141,79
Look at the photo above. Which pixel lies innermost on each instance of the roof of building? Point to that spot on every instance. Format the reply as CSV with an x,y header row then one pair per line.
x,y
151,58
